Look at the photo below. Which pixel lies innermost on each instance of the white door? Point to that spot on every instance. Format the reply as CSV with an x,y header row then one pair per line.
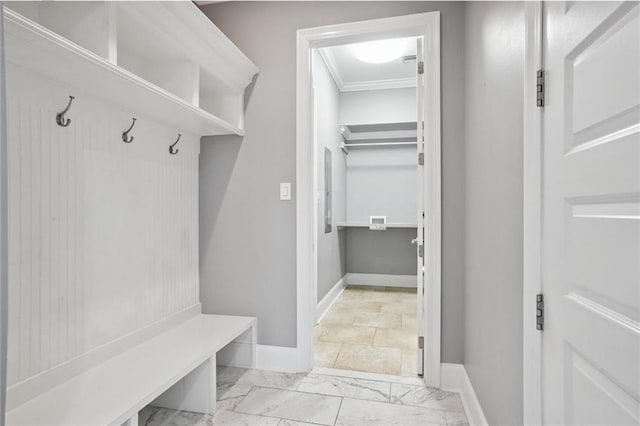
x,y
420,210
591,214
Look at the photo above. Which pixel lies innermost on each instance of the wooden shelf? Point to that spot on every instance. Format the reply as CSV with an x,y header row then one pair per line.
x,y
87,73
366,225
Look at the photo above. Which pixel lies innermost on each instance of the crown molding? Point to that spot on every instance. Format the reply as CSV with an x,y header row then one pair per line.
x,y
392,83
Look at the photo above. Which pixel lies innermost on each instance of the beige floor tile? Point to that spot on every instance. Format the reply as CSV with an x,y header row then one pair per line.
x,y
400,307
395,338
378,319
325,354
317,331
369,359
348,334
356,305
409,363
409,321
338,317
373,296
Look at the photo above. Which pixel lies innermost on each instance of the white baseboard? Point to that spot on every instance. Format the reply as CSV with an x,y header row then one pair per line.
x,y
453,377
330,298
276,358
383,280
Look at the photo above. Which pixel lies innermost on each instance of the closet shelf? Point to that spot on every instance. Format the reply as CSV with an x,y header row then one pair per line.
x,y
388,132
366,225
34,47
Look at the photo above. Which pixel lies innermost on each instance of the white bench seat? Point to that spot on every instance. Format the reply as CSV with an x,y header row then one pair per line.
x,y
113,392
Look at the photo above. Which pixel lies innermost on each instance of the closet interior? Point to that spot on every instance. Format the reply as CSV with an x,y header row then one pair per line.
x,y
366,145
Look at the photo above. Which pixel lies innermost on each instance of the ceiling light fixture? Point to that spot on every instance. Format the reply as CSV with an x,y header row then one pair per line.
x,y
380,51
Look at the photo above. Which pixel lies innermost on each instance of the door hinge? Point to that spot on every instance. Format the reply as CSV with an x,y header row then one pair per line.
x,y
420,342
421,250
421,159
539,312
421,67
540,88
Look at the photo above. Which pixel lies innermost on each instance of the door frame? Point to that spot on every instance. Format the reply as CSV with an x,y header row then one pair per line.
x,y
425,25
532,216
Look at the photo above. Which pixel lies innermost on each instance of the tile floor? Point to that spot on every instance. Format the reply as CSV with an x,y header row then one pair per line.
x,y
371,329
322,397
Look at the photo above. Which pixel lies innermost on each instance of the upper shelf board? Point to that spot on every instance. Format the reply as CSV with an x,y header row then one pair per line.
x,y
35,47
398,132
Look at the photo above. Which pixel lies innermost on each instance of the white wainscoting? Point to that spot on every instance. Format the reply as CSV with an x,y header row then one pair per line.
x,y
382,280
103,235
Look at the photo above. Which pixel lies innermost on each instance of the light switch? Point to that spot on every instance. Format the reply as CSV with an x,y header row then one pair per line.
x,y
285,191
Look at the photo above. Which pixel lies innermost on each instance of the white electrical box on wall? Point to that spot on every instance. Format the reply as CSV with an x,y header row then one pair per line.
x,y
377,223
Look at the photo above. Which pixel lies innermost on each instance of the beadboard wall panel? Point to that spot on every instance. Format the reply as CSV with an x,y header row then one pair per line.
x,y
103,235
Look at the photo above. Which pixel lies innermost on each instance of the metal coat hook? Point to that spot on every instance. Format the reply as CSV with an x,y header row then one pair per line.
x,y
172,150
125,134
60,118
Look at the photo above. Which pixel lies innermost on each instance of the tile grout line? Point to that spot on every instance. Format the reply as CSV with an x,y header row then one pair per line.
x,y
340,408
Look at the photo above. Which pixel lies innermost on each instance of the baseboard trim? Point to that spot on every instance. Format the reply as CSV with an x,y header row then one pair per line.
x,y
330,298
383,280
453,377
276,358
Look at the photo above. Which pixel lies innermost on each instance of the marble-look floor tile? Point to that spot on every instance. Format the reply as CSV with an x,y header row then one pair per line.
x,y
348,334
369,358
156,416
291,405
410,321
229,395
421,396
250,377
232,418
325,353
366,375
409,363
285,422
355,412
338,317
378,319
399,338
342,386
456,419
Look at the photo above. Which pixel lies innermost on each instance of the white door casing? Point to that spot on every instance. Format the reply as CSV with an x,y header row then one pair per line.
x,y
426,25
591,214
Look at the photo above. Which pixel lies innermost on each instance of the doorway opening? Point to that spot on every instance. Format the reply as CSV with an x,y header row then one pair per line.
x,y
364,100
368,212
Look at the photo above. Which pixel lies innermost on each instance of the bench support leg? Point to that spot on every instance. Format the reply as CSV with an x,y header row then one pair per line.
x,y
195,392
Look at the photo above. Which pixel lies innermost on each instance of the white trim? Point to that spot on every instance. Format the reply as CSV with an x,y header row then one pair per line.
x,y
330,298
391,83
330,62
276,358
532,220
382,280
455,379
425,25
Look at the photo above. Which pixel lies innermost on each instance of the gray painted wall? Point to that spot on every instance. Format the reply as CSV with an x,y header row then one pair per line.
x,y
493,290
248,249
332,250
381,252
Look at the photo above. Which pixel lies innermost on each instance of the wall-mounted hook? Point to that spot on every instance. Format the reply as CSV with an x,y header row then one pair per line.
x,y
60,118
125,134
172,150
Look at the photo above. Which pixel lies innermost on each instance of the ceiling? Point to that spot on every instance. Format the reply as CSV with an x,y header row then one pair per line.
x,y
351,74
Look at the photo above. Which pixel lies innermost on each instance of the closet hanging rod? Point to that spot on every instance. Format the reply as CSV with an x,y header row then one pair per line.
x,y
349,145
